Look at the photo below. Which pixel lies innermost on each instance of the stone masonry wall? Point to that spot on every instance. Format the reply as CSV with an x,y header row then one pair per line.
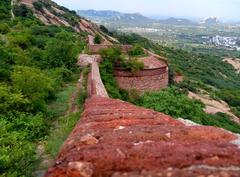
x,y
145,80
95,84
96,48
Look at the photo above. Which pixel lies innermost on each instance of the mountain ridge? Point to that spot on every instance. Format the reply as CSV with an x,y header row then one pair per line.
x,y
128,18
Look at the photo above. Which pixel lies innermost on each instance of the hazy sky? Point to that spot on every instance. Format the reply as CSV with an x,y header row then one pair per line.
x,y
225,9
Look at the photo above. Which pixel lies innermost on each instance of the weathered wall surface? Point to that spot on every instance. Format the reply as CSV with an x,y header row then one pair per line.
x,y
96,48
84,59
95,84
115,138
144,80
178,78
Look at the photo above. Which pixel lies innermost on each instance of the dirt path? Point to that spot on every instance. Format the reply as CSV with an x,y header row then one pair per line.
x,y
46,159
12,3
72,105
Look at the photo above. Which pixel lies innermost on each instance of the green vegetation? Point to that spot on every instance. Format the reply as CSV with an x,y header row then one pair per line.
x,y
106,71
97,39
36,62
137,50
174,102
114,58
64,125
22,11
38,5
5,10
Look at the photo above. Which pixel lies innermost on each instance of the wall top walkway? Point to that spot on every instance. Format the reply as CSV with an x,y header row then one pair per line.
x,y
118,139
95,84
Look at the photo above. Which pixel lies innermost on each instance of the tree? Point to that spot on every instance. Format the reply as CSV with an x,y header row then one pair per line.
x,y
137,50
10,102
21,11
38,5
111,54
34,84
61,52
97,39
104,29
4,28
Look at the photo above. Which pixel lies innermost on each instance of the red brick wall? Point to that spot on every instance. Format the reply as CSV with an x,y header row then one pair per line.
x,y
145,80
95,84
95,48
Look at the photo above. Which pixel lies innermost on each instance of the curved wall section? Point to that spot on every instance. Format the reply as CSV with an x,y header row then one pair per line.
x,y
144,80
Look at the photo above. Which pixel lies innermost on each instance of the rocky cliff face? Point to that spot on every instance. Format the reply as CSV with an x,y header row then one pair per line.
x,y
51,13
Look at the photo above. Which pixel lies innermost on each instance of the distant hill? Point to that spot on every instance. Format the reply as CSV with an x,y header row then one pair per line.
x,y
104,14
177,21
210,21
116,17
131,19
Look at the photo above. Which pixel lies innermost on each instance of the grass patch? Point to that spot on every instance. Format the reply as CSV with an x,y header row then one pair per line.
x,y
60,104
58,135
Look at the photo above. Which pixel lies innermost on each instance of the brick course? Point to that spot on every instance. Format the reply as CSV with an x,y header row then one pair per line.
x,y
144,80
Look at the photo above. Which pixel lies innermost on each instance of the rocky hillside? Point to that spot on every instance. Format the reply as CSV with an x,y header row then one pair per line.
x,y
51,13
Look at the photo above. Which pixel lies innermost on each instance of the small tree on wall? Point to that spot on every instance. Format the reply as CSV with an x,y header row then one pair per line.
x,y
97,39
137,50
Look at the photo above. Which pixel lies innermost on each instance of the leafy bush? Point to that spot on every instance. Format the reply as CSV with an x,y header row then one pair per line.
x,y
61,52
174,103
22,40
132,65
111,54
97,39
5,7
17,150
34,84
4,28
38,5
21,11
137,50
10,102
106,71
17,154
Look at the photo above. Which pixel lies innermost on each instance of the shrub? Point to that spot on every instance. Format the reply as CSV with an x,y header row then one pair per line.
x,y
21,11
38,5
10,102
17,154
97,39
137,50
104,29
22,40
111,54
106,70
133,65
34,84
61,52
4,28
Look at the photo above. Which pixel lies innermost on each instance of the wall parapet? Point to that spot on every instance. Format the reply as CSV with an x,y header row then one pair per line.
x,y
144,72
95,84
